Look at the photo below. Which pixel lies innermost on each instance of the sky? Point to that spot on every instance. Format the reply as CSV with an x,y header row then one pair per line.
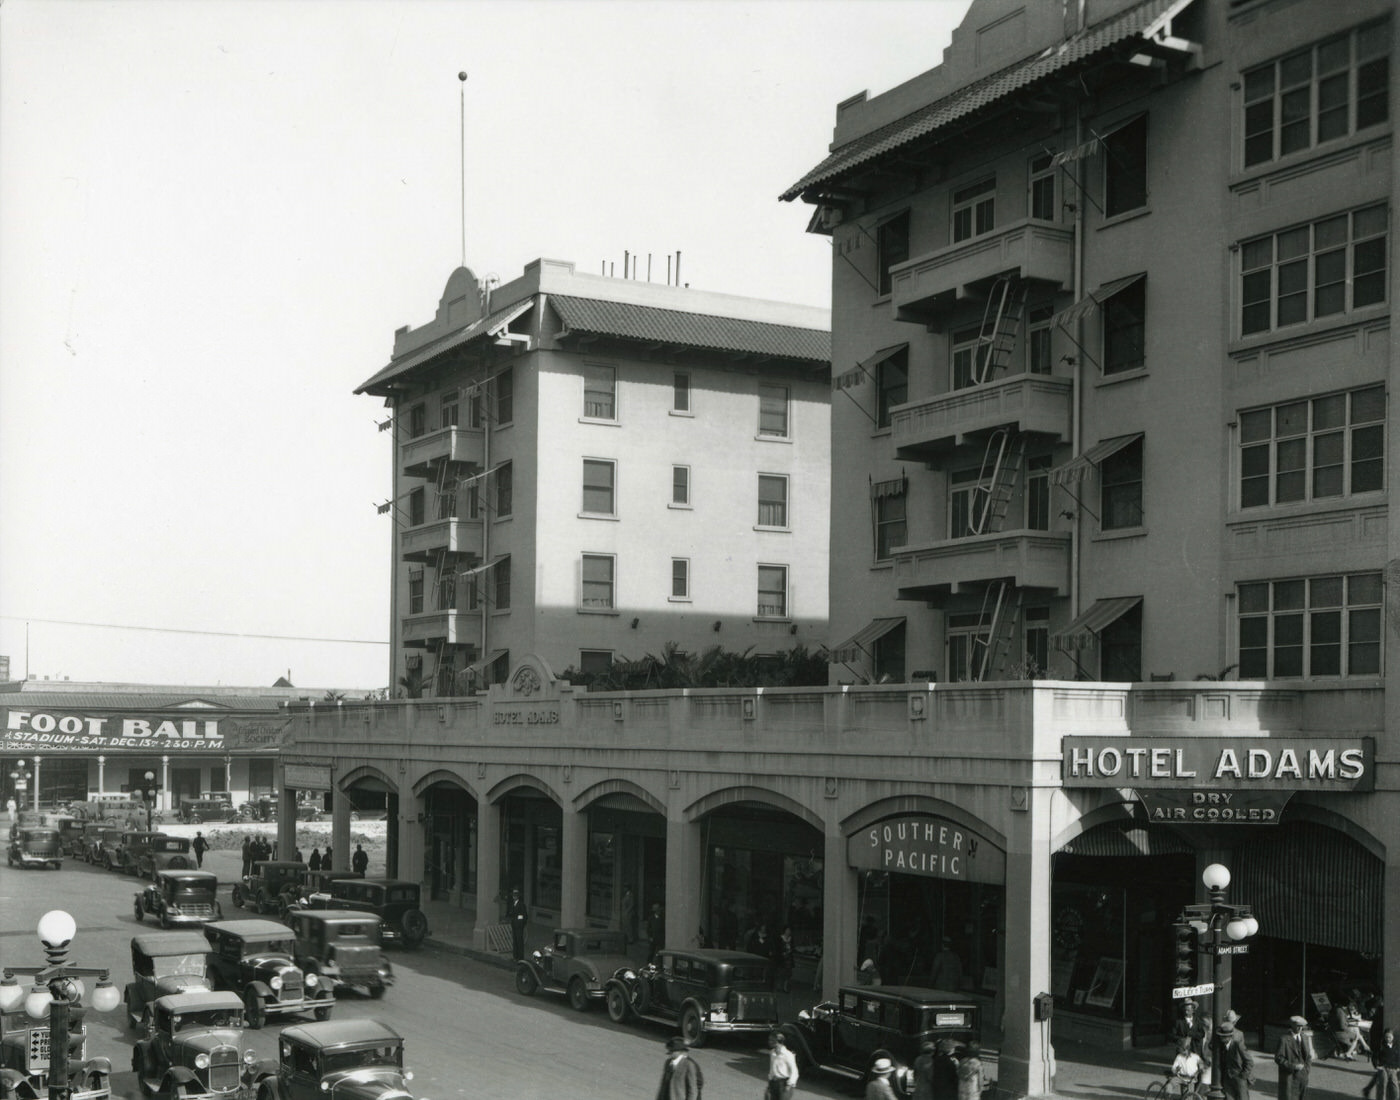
x,y
214,215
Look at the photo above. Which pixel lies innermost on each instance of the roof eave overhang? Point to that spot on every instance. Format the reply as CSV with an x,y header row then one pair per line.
x,y
667,349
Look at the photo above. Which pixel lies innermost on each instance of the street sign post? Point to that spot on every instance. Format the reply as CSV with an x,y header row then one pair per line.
x,y
1183,991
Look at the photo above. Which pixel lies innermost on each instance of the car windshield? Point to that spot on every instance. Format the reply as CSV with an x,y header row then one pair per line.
x,y
220,1017
268,947
165,965
386,1055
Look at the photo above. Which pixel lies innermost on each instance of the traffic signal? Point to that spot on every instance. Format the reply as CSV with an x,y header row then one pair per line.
x,y
1184,937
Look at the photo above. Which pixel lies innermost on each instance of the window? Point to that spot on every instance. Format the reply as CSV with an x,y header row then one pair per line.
x,y
500,584
415,594
598,581
474,499
1125,168
1120,493
891,247
1044,199
1039,348
417,507
505,489
773,411
891,525
1124,329
887,662
968,493
680,578
447,497
680,485
1035,641
969,358
417,420
892,384
1323,447
772,592
505,396
1320,93
447,589
772,500
1319,270
599,392
1313,626
1120,648
474,407
1038,493
974,209
967,643
448,414
680,392
599,475
595,662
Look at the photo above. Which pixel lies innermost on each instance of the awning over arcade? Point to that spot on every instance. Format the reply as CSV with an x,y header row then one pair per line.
x,y
1131,840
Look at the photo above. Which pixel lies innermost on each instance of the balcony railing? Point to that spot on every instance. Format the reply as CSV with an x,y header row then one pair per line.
x,y
451,536
927,287
1028,559
1024,403
455,444
449,627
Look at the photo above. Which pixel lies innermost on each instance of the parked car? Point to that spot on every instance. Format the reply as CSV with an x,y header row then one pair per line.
x,y
34,846
315,892
77,836
255,959
343,947
863,1023
263,890
25,1061
180,897
196,811
701,991
394,901
103,847
163,963
577,962
165,853
134,845
191,1049
347,1059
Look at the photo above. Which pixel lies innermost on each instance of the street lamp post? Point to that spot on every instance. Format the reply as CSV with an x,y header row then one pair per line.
x,y
1220,930
57,991
148,794
19,782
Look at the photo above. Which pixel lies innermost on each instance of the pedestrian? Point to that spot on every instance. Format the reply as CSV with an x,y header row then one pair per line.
x,y
200,846
628,910
784,960
1294,1058
945,1070
1345,1024
1192,1027
681,1078
867,974
1236,1062
314,863
970,1071
879,1087
326,864
923,1071
1385,1057
10,807
758,943
298,856
518,913
782,1069
655,930
359,861
947,968
247,855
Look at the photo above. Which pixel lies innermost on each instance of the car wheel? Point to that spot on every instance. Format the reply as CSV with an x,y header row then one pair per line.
x,y
525,981
692,1027
238,896
578,994
323,1012
256,1013
376,992
136,907
140,1063
618,1008
195,819
415,927
165,919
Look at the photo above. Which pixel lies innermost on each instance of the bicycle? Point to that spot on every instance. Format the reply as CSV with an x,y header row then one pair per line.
x,y
1177,1088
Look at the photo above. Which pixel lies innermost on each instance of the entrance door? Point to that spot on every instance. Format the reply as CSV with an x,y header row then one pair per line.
x,y
184,783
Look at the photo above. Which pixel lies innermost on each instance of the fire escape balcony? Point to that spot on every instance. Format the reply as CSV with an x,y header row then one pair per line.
x,y
440,536
1038,403
454,444
429,629
927,288
1027,559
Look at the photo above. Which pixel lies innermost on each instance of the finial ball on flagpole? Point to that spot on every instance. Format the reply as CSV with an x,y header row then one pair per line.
x,y
462,76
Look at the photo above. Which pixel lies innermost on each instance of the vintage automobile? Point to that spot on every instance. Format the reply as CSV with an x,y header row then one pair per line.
x,y
191,1048
394,901
102,845
180,897
196,811
702,991
315,892
577,962
343,947
863,1023
165,853
348,1059
255,959
162,963
25,1061
134,846
34,846
77,836
263,890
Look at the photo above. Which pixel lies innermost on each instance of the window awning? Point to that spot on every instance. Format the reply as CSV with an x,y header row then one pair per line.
x,y
1095,298
864,369
1076,469
1085,629
895,487
858,645
1114,839
1093,145
494,656
474,570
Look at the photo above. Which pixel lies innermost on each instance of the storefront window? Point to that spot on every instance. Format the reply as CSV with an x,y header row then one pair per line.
x,y
548,880
1088,948
602,873
752,888
905,919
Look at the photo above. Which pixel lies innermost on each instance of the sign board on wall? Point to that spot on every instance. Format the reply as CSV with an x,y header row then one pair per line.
x,y
1222,763
306,777
1215,807
32,729
921,844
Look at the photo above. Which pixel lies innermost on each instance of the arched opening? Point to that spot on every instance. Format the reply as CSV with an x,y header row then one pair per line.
x,y
449,841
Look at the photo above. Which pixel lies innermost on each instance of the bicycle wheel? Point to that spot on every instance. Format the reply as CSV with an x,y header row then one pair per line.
x,y
1157,1090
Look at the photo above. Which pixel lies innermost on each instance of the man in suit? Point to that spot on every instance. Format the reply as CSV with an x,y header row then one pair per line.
x,y
1294,1058
681,1078
518,914
1236,1064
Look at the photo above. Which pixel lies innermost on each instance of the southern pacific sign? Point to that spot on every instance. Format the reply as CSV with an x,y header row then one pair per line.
x,y
1224,763
919,844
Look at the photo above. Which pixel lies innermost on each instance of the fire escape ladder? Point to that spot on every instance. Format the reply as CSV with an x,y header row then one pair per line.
x,y
1000,614
1001,321
1001,467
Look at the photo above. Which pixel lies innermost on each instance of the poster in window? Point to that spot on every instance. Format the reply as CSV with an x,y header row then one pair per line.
x,y
1061,972
1103,990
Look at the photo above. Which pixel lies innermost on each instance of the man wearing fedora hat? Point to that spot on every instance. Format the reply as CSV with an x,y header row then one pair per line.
x,y
1191,1025
879,1087
681,1078
1294,1057
1236,1063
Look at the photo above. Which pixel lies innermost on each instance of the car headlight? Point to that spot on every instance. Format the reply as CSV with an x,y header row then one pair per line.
x,y
250,1056
276,982
312,981
201,1061
325,1086
408,1075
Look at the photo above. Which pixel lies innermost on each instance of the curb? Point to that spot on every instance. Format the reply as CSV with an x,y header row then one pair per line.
x,y
489,957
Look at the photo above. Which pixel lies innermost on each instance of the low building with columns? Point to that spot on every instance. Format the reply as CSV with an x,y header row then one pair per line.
x,y
1050,831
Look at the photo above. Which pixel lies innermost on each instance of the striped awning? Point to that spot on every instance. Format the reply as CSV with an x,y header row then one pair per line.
x,y
894,487
1076,469
1084,631
1115,839
864,371
857,646
1095,298
1092,146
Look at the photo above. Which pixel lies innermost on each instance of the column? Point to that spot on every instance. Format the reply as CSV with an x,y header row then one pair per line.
x,y
1027,1055
340,831
286,821
38,761
228,776
164,801
573,869
410,839
488,871
683,883
101,775
840,919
